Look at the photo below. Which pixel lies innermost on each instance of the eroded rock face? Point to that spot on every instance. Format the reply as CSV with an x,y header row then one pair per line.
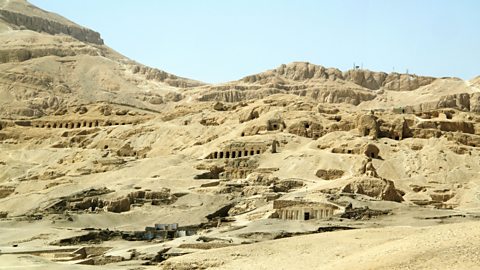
x,y
374,187
368,126
39,24
306,128
297,71
463,102
329,174
304,71
119,205
475,102
247,115
261,179
398,129
366,78
5,191
405,82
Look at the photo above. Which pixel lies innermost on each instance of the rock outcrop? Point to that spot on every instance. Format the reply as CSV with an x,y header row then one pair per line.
x,y
304,71
368,125
296,71
39,24
378,188
329,174
469,102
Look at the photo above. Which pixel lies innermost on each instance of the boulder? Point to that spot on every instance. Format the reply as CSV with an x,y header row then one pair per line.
x,y
329,174
368,125
155,100
248,115
218,106
374,187
119,205
371,151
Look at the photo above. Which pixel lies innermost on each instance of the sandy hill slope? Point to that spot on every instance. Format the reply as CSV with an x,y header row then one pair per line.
x,y
439,247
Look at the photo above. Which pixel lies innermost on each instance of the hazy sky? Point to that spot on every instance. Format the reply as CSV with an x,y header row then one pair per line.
x,y
220,40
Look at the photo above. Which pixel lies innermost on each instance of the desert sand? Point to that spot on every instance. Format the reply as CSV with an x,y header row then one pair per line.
x,y
109,164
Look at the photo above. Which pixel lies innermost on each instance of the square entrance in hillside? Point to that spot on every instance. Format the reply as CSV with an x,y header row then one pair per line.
x,y
306,216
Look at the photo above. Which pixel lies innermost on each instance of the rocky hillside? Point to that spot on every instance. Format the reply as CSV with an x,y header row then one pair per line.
x,y
49,64
303,71
107,162
330,85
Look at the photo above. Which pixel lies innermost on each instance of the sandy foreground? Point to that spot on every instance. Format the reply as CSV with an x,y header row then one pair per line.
x,y
453,246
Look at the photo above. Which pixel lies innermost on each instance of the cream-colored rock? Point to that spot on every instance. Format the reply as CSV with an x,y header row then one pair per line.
x,y
95,147
374,187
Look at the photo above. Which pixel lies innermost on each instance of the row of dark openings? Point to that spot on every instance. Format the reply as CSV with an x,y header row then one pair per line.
x,y
76,125
235,154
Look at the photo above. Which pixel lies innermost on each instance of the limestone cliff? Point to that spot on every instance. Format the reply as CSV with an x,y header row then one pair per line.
x,y
304,71
21,15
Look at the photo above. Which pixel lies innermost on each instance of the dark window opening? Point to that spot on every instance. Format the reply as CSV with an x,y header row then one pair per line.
x,y
239,153
252,153
245,153
397,138
349,151
227,155
258,152
307,125
221,154
233,154
306,216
